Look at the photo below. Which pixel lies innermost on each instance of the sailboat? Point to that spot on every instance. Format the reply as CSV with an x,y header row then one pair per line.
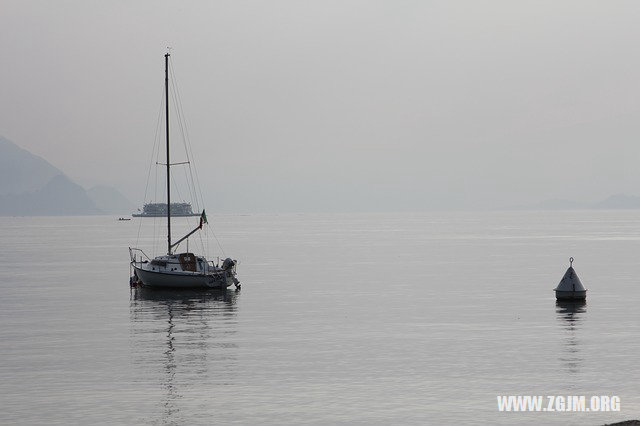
x,y
179,270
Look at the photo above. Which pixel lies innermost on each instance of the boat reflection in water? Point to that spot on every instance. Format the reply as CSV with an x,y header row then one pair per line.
x,y
569,314
183,345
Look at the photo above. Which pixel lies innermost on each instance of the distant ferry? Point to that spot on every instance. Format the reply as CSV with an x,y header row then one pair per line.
x,y
160,210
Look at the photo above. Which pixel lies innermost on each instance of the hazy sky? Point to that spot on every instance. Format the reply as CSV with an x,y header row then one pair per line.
x,y
335,105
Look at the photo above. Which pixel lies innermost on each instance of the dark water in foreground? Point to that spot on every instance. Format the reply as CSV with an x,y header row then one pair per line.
x,y
355,318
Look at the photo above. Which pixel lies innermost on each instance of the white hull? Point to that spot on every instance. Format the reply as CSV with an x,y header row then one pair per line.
x,y
181,279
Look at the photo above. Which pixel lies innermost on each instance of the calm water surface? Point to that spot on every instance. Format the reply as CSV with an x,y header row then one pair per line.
x,y
354,318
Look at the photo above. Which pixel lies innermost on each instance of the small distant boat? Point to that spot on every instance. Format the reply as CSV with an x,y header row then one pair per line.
x,y
177,270
124,218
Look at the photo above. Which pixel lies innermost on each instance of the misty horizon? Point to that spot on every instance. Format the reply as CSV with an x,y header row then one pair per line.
x,y
336,106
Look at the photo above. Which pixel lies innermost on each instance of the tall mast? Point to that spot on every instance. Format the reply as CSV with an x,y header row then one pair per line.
x,y
166,104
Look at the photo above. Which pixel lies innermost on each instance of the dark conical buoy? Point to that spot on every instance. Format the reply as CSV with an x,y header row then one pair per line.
x,y
570,287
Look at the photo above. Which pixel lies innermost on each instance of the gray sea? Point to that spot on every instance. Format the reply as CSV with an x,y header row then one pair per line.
x,y
407,318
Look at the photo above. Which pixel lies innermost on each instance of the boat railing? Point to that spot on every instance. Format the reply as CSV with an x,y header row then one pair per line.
x,y
132,254
216,263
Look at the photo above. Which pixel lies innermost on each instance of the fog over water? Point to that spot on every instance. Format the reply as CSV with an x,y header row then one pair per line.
x,y
335,105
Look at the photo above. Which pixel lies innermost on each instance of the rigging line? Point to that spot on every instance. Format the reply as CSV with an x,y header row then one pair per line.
x,y
204,250
190,220
172,164
180,112
155,194
155,141
175,186
194,170
154,199
206,241
187,180
179,196
218,241
181,119
188,148
181,124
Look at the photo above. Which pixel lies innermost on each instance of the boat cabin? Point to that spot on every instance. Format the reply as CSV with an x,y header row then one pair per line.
x,y
183,262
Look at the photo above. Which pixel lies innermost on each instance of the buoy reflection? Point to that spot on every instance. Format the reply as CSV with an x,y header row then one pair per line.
x,y
569,315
